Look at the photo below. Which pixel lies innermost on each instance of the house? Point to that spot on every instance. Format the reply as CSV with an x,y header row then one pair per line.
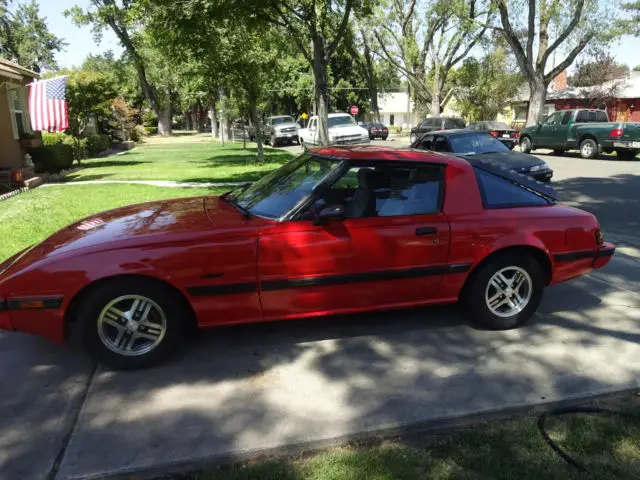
x,y
396,109
15,126
620,97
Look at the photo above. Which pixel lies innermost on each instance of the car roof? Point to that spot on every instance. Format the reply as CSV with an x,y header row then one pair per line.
x,y
339,115
453,131
375,153
281,116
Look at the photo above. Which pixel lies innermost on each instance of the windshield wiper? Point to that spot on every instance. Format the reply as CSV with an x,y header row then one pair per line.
x,y
226,197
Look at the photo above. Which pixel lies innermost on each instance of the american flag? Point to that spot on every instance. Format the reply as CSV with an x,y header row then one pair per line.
x,y
48,105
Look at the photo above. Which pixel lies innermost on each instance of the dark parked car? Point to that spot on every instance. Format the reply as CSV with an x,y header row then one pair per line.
x,y
375,129
435,123
482,146
503,132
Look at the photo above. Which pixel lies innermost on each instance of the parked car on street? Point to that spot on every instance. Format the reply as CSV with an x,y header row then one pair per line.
x,y
480,145
503,132
376,130
280,129
342,128
435,123
589,131
309,239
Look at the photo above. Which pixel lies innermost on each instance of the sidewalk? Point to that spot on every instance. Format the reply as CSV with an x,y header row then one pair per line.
x,y
243,391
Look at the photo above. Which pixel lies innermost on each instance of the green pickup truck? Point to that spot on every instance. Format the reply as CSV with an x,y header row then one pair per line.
x,y
586,130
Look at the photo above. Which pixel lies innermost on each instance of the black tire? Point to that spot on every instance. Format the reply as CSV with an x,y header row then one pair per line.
x,y
588,148
526,145
177,316
274,142
558,153
625,154
477,289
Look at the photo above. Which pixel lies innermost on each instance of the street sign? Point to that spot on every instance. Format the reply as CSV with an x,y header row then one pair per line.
x,y
304,116
354,110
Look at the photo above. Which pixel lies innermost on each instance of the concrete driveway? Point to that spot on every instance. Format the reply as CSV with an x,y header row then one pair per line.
x,y
253,389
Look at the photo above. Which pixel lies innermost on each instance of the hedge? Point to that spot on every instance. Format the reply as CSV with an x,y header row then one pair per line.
x,y
151,130
52,158
395,128
97,144
90,146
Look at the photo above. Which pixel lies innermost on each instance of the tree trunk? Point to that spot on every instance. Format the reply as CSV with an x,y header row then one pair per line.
x,y
537,98
188,124
256,122
202,118
321,93
435,94
214,118
164,121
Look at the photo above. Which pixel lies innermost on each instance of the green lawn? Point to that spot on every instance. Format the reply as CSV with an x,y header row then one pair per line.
x,y
183,162
513,449
32,216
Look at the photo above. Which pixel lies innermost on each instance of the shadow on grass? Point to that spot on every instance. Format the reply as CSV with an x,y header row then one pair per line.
x,y
84,178
112,163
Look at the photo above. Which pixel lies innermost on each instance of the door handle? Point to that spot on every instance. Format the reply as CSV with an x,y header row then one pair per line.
x,y
426,230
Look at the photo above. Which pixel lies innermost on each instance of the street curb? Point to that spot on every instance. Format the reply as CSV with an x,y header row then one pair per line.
x,y
380,433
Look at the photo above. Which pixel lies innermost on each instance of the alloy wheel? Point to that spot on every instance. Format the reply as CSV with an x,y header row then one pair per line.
x,y
508,291
131,325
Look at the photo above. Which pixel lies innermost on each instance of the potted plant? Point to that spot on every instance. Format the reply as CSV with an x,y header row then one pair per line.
x,y
30,140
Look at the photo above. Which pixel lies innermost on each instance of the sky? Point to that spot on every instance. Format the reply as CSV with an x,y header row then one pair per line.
x,y
81,42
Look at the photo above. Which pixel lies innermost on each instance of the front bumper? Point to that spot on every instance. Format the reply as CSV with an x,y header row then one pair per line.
x,y
5,318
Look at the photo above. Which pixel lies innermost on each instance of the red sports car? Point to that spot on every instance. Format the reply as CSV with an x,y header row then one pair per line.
x,y
336,230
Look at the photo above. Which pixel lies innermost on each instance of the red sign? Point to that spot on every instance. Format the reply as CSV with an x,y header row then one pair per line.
x,y
354,110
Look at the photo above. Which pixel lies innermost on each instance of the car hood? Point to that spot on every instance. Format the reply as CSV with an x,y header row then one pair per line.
x,y
349,130
513,160
143,224
280,126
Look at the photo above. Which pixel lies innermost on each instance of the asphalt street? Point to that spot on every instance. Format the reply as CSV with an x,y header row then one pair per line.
x,y
243,391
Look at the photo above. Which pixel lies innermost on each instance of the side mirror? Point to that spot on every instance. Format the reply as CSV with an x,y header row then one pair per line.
x,y
334,212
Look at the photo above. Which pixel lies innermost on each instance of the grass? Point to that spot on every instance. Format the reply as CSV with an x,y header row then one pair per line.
x,y
183,161
32,216
608,446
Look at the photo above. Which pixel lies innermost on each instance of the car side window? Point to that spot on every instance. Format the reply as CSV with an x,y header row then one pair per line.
x,y
440,145
567,117
386,191
312,125
424,123
426,143
553,119
601,116
498,192
582,116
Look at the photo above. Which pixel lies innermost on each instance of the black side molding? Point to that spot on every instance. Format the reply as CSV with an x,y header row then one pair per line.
x,y
582,254
232,288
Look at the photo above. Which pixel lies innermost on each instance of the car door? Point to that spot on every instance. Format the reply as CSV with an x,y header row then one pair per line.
x,y
561,132
547,133
313,132
390,250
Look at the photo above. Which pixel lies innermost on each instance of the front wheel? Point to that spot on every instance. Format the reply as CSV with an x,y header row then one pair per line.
x,y
588,148
525,145
274,141
505,291
133,323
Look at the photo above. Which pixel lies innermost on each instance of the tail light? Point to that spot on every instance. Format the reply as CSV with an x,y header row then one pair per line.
x,y
599,237
616,133
493,134
516,134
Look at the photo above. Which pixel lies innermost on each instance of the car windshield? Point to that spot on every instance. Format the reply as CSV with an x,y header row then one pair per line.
x,y
476,144
494,126
341,121
279,191
279,120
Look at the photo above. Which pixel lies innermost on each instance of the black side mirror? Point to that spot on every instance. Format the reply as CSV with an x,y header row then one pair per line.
x,y
334,212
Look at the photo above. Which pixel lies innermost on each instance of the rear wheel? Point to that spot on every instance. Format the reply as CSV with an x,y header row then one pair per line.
x,y
133,323
558,153
505,291
588,148
525,145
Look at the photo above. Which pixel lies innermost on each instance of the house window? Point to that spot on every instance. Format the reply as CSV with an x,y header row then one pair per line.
x,y
521,113
19,115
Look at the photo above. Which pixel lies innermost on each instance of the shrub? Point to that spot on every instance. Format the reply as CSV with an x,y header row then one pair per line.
x,y
395,128
137,133
97,144
151,130
55,138
149,119
52,158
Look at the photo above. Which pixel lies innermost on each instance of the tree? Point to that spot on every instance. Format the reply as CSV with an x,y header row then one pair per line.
x,y
484,86
26,39
426,44
122,73
89,94
636,68
120,16
597,71
631,24
552,27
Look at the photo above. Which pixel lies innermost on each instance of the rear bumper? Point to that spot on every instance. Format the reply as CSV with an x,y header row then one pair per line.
x,y
573,264
624,145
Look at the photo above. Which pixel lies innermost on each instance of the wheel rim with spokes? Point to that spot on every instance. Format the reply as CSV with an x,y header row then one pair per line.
x,y
131,325
587,149
508,291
